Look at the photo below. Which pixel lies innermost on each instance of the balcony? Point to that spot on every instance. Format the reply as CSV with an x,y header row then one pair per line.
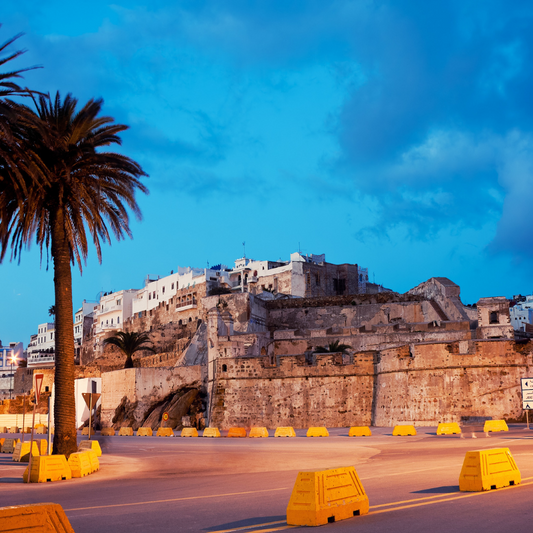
x,y
187,304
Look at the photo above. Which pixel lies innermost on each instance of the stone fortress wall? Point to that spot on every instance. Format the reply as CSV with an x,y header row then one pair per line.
x,y
420,358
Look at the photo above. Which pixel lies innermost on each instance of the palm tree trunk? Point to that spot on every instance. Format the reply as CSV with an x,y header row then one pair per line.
x,y
65,438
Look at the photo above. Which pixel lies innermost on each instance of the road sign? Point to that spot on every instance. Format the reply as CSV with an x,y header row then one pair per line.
x,y
38,385
526,383
527,393
90,398
165,416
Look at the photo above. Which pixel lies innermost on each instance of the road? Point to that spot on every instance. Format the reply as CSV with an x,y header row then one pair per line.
x,y
243,485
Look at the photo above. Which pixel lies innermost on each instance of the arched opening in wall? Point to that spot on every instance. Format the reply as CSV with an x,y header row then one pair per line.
x,y
180,322
224,368
190,319
493,317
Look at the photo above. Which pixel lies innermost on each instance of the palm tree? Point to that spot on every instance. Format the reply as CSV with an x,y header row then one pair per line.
x,y
333,347
130,342
10,152
52,310
74,193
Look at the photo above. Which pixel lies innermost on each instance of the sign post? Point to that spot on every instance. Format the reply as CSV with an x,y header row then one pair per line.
x,y
527,396
23,414
165,418
38,385
90,399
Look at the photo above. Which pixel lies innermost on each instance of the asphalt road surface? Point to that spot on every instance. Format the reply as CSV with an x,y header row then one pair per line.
x,y
242,485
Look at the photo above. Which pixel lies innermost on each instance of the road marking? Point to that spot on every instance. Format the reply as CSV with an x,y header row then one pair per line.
x,y
175,499
468,495
252,529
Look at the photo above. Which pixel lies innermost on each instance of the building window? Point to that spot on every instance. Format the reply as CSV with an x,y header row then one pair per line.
x,y
494,317
149,296
119,302
118,320
224,368
172,286
163,290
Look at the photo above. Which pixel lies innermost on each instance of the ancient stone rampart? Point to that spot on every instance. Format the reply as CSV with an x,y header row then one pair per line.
x,y
422,384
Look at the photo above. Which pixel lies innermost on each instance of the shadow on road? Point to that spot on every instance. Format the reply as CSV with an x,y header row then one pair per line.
x,y
249,522
438,490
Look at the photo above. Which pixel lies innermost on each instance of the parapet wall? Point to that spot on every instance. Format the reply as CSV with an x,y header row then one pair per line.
x,y
421,384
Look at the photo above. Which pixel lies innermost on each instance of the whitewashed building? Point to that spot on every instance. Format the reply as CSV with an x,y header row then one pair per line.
x,y
522,314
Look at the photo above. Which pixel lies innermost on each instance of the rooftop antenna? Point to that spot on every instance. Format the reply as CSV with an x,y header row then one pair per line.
x,y
208,264
244,248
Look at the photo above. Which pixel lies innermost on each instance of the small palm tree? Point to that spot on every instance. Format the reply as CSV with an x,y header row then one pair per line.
x,y
52,310
130,342
333,347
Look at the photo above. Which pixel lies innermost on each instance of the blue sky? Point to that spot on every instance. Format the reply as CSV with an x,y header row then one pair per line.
x,y
395,135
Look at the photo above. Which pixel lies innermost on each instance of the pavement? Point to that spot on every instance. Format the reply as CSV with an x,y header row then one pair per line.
x,y
228,485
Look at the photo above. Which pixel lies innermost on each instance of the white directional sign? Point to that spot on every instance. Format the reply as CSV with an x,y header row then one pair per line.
x,y
527,393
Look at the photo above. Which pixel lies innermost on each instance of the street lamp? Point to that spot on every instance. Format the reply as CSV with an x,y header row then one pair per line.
x,y
13,361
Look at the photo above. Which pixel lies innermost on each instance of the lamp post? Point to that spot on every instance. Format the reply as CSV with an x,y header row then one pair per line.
x,y
13,360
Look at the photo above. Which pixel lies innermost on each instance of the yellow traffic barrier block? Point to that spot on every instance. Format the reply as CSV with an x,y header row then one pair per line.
x,y
85,431
38,517
495,425
93,458
449,428
107,432
40,430
42,444
285,432
488,470
9,445
46,468
404,431
3,429
22,451
164,432
237,432
145,432
359,431
90,445
125,432
80,464
317,432
13,429
2,440
189,432
211,432
257,432
326,496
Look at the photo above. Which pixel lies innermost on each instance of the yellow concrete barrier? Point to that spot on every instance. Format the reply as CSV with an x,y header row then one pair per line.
x,y
237,432
495,425
284,432
258,432
90,445
145,432
2,440
27,429
9,445
107,432
22,451
125,432
488,470
13,429
359,431
85,431
42,444
80,464
164,432
448,428
38,517
326,496
48,468
40,430
317,432
3,429
404,430
189,432
93,457
211,432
